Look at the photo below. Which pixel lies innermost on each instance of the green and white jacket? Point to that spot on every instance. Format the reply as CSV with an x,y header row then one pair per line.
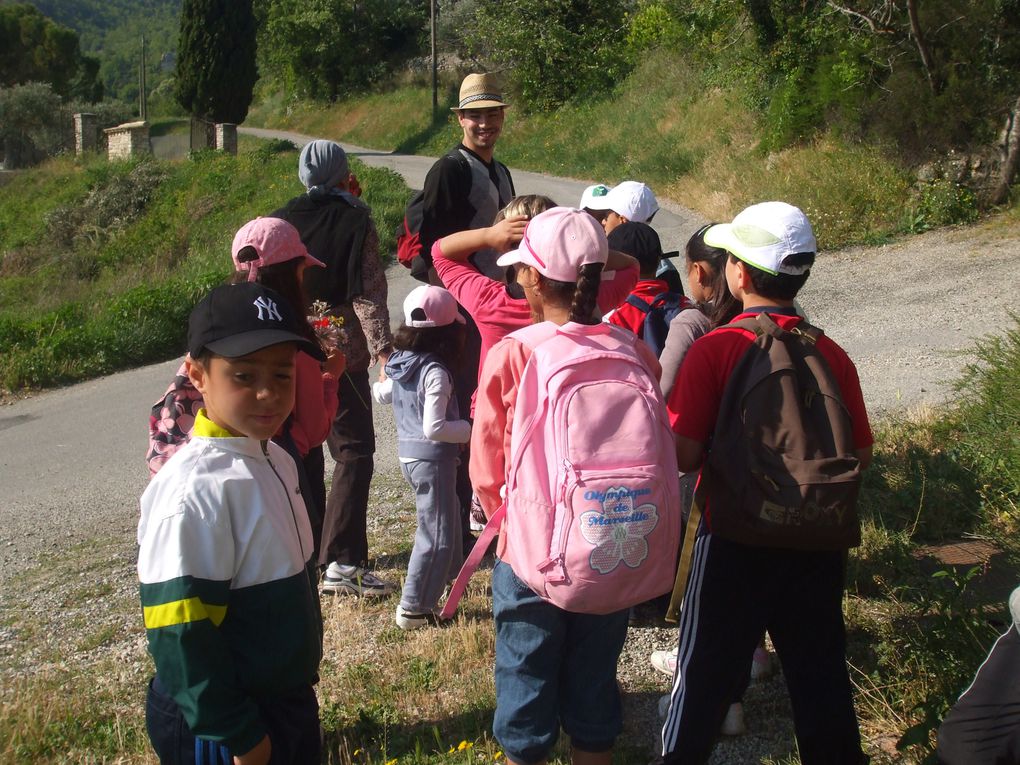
x,y
228,586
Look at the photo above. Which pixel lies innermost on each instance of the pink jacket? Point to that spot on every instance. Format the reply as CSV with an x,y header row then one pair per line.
x,y
315,404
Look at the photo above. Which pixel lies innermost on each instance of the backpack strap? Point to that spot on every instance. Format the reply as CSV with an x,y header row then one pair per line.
x,y
471,564
640,304
683,570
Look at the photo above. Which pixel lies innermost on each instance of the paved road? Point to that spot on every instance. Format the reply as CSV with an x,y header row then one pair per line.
x,y
71,460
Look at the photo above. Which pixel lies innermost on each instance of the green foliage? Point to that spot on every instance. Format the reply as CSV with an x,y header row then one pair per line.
x,y
941,203
216,59
35,49
101,262
111,30
988,420
327,49
35,122
554,52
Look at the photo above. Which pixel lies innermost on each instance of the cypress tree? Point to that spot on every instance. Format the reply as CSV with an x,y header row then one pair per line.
x,y
216,59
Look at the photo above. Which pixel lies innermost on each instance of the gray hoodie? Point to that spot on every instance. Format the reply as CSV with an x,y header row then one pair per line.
x,y
411,374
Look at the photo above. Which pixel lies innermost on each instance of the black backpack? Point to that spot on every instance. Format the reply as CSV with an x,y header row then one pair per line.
x,y
658,314
782,470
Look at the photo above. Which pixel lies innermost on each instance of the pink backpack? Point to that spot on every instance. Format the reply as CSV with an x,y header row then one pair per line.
x,y
592,506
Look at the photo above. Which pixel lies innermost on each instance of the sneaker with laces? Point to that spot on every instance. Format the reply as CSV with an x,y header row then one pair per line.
x,y
354,580
733,723
408,620
477,515
664,661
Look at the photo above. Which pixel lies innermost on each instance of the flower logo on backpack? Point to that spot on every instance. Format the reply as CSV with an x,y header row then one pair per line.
x,y
618,530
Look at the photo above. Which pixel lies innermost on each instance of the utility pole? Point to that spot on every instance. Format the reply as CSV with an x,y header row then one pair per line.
x,y
143,105
435,64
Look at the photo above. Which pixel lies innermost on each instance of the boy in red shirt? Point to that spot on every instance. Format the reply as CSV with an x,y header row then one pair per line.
x,y
640,241
736,590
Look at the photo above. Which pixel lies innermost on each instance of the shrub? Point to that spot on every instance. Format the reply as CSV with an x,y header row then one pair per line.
x,y
941,203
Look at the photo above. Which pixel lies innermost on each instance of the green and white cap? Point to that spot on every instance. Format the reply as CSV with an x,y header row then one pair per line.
x,y
763,236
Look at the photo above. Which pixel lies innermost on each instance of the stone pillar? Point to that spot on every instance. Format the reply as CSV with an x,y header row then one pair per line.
x,y
85,133
226,137
200,138
127,140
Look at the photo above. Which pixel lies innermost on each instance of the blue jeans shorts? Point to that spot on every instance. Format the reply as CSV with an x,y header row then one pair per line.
x,y
553,668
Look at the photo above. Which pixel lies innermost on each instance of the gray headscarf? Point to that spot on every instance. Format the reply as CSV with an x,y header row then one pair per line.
x,y
323,164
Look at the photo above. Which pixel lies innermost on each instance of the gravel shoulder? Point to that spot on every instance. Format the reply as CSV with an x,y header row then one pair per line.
x,y
71,460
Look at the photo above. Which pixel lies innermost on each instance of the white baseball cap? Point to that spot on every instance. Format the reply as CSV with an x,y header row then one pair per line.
x,y
630,199
598,191
764,234
428,306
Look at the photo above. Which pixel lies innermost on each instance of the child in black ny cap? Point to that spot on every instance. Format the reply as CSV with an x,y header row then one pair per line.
x,y
228,583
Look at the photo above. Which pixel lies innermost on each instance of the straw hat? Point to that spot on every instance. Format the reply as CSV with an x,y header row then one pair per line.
x,y
480,91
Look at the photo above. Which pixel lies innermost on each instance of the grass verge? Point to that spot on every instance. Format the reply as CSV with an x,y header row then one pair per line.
x,y
101,262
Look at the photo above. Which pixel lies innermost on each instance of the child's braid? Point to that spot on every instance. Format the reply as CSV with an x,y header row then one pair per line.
x,y
582,309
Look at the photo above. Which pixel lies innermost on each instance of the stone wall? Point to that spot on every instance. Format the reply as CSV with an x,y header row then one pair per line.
x,y
226,137
86,132
127,140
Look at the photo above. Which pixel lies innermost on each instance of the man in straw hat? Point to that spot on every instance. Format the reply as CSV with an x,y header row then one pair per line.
x,y
467,187
464,190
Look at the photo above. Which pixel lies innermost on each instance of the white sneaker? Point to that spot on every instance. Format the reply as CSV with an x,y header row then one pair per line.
x,y
733,723
664,661
407,620
354,580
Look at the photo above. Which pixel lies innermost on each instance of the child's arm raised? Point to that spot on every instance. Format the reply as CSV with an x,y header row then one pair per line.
x,y
501,237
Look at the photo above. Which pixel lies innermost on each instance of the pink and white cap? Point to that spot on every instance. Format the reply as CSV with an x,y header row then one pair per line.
x,y
630,199
764,234
428,306
558,242
274,240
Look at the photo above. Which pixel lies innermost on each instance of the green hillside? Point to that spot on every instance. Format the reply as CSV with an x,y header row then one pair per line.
x,y
112,31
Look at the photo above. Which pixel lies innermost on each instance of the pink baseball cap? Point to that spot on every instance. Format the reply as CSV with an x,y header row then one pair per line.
x,y
274,240
428,306
558,242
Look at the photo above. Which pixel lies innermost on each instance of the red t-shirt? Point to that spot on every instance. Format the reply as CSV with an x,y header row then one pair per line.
x,y
695,399
630,316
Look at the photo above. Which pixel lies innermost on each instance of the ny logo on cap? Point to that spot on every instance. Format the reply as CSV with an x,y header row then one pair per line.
x,y
267,309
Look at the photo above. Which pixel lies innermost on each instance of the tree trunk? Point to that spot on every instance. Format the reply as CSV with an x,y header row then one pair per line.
x,y
934,81
1009,165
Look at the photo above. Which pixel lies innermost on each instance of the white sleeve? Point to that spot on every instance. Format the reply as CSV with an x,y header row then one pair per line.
x,y
436,427
382,392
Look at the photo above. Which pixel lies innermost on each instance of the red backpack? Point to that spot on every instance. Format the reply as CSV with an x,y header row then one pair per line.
x,y
409,233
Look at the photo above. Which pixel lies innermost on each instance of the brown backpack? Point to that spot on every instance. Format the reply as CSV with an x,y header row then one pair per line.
x,y
782,470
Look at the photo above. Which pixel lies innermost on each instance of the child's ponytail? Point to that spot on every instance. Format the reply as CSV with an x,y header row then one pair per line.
x,y
582,308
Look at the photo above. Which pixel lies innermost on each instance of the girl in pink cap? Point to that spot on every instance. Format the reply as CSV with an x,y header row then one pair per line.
x,y
554,667
430,436
268,251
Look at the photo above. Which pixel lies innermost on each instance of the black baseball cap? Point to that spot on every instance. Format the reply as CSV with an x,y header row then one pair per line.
x,y
237,319
640,241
